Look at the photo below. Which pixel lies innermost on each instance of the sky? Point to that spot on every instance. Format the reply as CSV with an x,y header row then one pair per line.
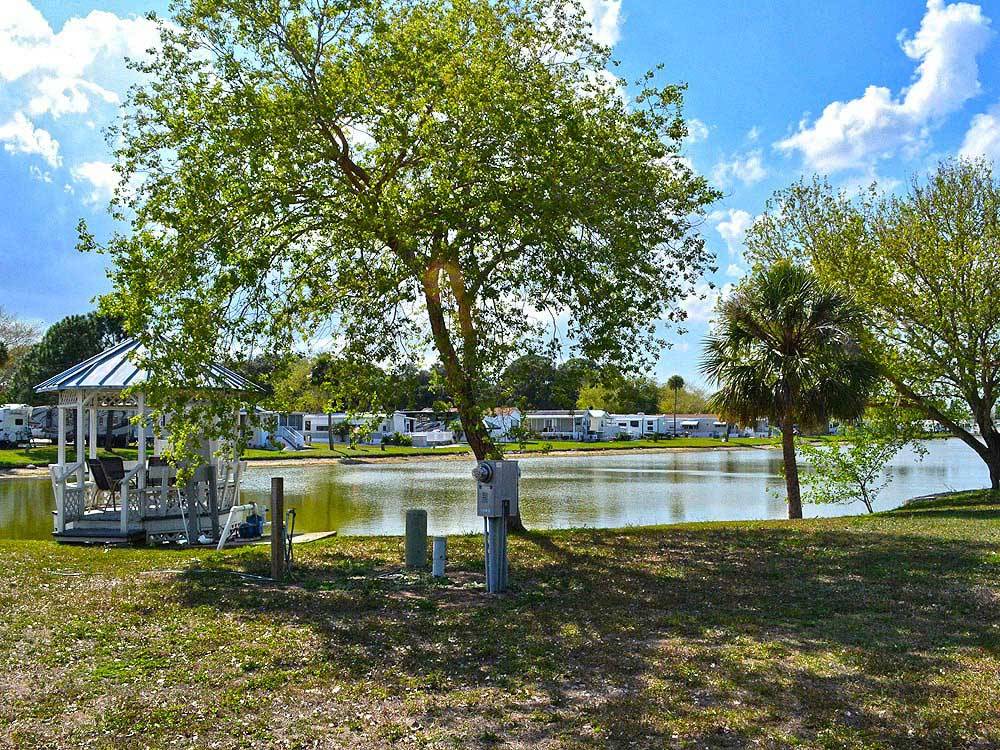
x,y
854,90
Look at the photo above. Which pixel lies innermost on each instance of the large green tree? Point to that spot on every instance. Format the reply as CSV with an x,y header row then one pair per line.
x,y
406,174
689,399
924,265
528,381
784,347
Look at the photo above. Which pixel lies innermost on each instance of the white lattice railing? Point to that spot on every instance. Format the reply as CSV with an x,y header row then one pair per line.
x,y
71,499
132,498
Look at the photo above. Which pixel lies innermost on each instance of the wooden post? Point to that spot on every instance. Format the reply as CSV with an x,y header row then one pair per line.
x,y
213,501
277,528
191,501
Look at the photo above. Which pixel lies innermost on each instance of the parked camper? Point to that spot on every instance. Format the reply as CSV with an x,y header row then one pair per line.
x,y
15,425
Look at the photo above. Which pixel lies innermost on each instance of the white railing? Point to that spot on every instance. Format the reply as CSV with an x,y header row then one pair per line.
x,y
131,501
290,437
71,499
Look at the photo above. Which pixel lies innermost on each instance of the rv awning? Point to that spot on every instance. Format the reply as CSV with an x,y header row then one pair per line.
x,y
722,424
690,423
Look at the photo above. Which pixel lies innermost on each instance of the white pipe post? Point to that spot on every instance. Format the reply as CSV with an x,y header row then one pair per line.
x,y
92,432
440,556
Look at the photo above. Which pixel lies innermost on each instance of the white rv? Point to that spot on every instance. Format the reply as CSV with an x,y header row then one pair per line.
x,y
15,425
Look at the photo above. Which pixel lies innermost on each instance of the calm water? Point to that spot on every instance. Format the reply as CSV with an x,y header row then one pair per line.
x,y
601,491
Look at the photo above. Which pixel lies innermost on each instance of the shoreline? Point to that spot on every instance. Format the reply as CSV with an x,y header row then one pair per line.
x,y
41,471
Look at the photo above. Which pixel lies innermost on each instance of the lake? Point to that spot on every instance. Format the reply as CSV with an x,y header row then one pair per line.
x,y
607,490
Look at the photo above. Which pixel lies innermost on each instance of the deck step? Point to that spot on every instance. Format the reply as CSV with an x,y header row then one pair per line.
x,y
106,535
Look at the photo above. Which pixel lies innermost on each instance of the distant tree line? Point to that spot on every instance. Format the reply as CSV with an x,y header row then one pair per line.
x,y
27,356
343,382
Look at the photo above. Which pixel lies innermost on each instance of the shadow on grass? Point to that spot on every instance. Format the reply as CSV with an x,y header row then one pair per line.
x,y
704,636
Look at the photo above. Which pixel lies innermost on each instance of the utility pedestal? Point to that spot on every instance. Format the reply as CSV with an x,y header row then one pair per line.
x,y
496,498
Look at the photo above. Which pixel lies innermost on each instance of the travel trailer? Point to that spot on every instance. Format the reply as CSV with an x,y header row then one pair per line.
x,y
15,425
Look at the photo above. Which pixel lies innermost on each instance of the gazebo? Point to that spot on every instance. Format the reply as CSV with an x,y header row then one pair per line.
x,y
152,506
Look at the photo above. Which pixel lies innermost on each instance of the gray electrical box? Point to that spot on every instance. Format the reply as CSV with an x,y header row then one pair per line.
x,y
497,490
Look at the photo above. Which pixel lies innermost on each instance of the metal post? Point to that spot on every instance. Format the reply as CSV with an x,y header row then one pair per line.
x,y
277,528
416,538
496,554
440,556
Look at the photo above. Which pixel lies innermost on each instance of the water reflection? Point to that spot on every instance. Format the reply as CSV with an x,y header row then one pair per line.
x,y
557,492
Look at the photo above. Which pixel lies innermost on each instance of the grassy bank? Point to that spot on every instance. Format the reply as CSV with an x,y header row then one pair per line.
x,y
860,632
41,456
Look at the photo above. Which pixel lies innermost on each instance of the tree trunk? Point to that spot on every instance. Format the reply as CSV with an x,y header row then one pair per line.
x,y
992,458
791,469
329,430
458,373
675,412
988,448
109,431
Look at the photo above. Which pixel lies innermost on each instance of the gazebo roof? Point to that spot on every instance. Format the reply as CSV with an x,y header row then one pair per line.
x,y
114,370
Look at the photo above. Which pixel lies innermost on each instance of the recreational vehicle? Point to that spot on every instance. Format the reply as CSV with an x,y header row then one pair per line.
x,y
15,425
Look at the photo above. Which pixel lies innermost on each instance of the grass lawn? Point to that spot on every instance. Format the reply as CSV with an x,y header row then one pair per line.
x,y
41,456
863,632
16,458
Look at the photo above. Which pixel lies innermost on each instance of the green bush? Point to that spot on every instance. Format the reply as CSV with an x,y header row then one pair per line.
x,y
395,438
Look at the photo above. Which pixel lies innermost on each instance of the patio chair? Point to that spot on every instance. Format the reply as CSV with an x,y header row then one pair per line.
x,y
114,468
161,487
103,484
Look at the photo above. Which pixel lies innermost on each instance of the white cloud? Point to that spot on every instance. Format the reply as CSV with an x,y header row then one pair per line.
x,y
700,306
732,225
38,174
28,45
46,75
735,271
20,136
753,135
857,133
697,130
983,136
605,19
102,178
747,168
59,96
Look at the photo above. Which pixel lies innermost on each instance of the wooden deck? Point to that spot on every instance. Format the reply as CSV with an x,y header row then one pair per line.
x,y
103,535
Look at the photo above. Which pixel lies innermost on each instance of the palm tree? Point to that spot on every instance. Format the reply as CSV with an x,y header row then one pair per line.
x,y
783,347
675,383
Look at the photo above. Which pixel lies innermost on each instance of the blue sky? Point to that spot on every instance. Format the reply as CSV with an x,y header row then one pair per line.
x,y
854,90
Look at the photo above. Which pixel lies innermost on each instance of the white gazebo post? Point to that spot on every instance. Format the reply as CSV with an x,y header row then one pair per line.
x,y
92,433
58,480
80,472
61,450
140,399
